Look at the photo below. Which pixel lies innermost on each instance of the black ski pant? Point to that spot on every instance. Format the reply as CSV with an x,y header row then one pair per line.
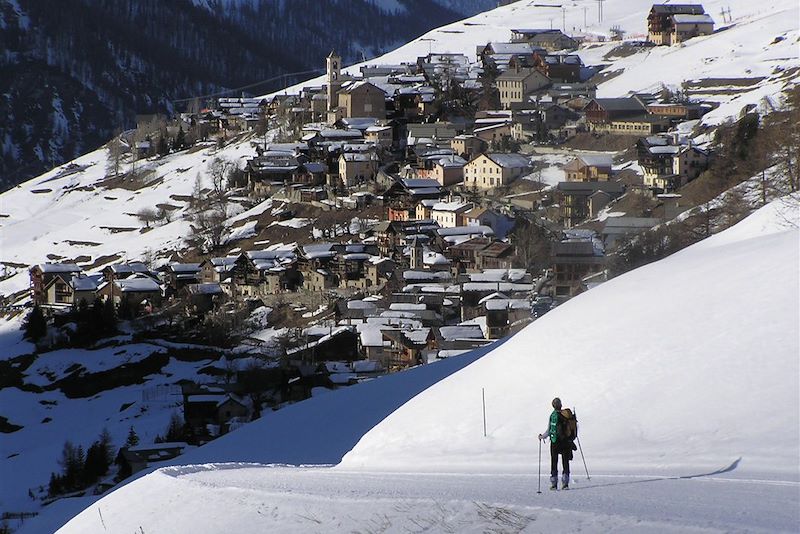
x,y
566,456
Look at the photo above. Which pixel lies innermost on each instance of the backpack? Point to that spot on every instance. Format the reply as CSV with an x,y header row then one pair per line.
x,y
568,427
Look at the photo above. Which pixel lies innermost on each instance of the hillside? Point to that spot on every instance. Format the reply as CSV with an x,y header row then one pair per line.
x,y
75,71
678,412
645,358
50,210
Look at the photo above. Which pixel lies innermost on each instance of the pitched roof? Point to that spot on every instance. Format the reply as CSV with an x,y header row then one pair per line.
x,y
694,9
509,161
693,19
619,104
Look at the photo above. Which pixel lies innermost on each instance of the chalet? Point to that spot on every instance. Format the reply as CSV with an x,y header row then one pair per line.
x,y
669,166
501,224
379,270
518,84
380,135
465,254
126,270
559,68
450,214
140,294
264,271
495,133
619,227
178,275
473,292
134,459
362,99
605,110
638,125
572,260
436,134
468,146
209,412
497,255
216,270
505,315
69,289
589,168
355,169
676,111
502,56
405,347
674,23
387,234
490,170
463,336
582,200
408,191
448,170
450,236
202,298
271,167
317,137
549,39
41,275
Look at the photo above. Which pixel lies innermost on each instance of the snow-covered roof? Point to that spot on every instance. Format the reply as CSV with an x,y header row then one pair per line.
x,y
184,267
509,161
59,268
441,276
507,304
596,160
138,285
693,19
455,206
470,331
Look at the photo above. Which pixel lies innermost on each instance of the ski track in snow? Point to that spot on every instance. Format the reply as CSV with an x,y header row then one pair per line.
x,y
324,499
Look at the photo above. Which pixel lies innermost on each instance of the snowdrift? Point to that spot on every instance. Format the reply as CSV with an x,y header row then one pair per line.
x,y
684,366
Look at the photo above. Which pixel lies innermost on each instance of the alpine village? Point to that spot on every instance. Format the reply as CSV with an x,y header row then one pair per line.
x,y
390,215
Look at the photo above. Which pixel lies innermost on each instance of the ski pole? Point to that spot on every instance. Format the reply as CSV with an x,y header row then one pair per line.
x,y
540,467
575,415
584,459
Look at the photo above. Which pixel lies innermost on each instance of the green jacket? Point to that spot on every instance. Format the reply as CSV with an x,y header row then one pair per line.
x,y
553,426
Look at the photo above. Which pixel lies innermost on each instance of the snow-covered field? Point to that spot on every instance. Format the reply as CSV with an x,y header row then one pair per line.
x,y
684,373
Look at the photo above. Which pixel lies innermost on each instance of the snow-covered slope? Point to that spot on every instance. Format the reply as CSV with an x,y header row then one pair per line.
x,y
687,364
685,374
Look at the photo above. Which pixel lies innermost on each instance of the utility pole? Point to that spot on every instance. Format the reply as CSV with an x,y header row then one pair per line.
x,y
600,10
564,19
585,9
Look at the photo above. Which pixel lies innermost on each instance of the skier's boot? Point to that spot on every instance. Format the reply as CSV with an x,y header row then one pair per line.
x,y
565,482
553,483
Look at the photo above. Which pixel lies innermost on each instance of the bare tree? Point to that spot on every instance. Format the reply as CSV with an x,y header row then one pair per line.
x,y
115,152
220,172
147,216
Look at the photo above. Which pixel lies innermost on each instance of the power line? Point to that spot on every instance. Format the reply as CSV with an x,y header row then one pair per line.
x,y
220,93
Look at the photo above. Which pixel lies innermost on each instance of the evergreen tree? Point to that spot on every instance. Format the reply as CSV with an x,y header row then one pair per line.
x,y
35,325
109,317
163,148
180,139
55,486
175,429
132,439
